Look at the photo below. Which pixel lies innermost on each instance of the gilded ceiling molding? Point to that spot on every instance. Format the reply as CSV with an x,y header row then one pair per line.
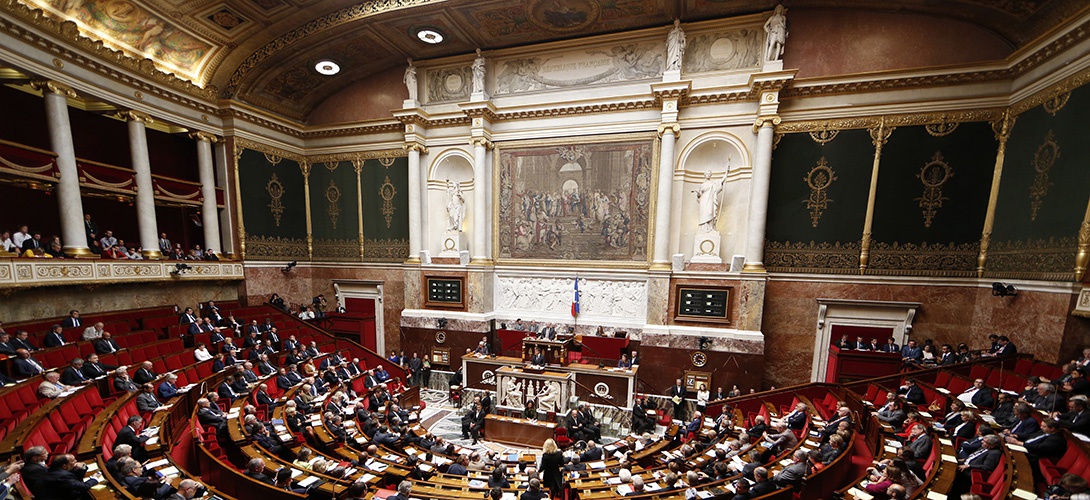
x,y
260,121
346,15
577,110
358,156
68,31
352,131
719,98
241,144
1051,93
900,120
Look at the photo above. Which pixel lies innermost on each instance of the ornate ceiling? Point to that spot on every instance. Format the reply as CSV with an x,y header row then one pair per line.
x,y
263,51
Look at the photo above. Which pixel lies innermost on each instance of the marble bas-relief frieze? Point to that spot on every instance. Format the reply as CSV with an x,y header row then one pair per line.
x,y
598,298
448,84
575,68
723,51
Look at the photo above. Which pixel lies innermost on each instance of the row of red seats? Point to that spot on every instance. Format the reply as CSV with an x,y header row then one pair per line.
x,y
64,426
61,356
127,320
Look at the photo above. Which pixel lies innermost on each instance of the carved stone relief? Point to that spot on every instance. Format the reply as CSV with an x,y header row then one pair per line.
x,y
599,298
735,49
448,84
618,63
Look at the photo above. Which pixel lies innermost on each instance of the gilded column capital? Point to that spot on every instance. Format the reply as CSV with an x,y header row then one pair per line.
x,y
674,128
416,146
203,136
131,115
53,87
880,134
481,141
769,120
357,165
305,167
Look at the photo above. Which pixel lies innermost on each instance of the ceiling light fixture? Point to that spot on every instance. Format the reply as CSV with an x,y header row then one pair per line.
x,y
327,67
428,35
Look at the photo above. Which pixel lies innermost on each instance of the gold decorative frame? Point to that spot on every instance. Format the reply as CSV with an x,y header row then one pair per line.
x,y
276,192
819,179
333,195
933,175
1043,161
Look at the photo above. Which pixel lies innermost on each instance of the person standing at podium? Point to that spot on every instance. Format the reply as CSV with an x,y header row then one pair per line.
x,y
677,396
538,358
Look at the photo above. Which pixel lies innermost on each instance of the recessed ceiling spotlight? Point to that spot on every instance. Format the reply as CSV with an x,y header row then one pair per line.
x,y
327,67
428,35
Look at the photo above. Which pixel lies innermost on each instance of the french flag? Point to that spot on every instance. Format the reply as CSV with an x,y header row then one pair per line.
x,y
575,302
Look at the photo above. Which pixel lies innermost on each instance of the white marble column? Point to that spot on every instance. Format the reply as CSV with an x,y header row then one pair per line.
x,y
415,206
145,190
69,203
481,179
209,211
663,203
758,198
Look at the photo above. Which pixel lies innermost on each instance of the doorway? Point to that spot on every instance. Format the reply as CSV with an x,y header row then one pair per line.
x,y
362,302
869,318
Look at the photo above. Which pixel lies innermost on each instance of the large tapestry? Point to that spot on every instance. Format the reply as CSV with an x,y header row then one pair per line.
x,y
575,201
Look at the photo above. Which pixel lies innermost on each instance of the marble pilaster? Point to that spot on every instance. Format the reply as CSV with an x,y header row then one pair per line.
x,y
69,203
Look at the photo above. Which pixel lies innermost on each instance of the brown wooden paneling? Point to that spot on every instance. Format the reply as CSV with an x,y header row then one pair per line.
x,y
659,366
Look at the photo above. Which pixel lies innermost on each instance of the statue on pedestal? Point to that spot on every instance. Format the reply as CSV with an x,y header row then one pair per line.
x,y
478,73
707,200
675,47
456,206
410,80
776,27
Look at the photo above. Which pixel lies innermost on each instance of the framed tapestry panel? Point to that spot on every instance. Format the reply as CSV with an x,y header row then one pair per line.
x,y
574,199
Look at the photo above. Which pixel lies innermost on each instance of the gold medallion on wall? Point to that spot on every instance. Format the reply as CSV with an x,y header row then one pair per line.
x,y
276,192
387,192
933,175
1057,102
819,179
1047,154
333,195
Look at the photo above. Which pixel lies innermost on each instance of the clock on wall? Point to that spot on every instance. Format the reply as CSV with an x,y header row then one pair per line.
x,y
440,337
699,359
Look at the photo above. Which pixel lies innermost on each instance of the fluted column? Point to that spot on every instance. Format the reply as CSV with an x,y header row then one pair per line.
x,y
209,211
69,203
145,190
416,218
758,195
663,204
481,180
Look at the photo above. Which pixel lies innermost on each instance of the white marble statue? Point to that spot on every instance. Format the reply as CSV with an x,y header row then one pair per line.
x,y
707,200
548,399
478,73
456,206
776,27
675,47
410,80
512,393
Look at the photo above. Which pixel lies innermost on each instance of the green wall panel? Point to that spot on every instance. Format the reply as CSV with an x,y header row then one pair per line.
x,y
932,227
798,237
385,192
334,211
276,226
1043,193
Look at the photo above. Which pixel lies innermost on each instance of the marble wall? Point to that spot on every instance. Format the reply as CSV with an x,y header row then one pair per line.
x,y
51,302
1036,321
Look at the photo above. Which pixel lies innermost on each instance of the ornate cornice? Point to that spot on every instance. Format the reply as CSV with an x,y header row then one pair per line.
x,y
720,98
241,144
259,120
481,141
416,146
353,131
357,157
1062,87
346,15
68,32
584,109
900,120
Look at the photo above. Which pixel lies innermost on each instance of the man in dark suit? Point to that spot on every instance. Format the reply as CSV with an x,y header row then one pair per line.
x,y
73,320
22,341
796,420
6,347
843,415
129,435
918,441
473,422
146,400
187,317
677,397
208,415
264,366
65,479
55,337
1004,347
106,344
892,414
144,374
73,375
985,459
845,343
26,366
762,484
538,359
226,391
911,392
282,380
168,388
1077,419
272,339
290,343
229,346
194,328
979,395
255,469
34,471
1047,443
213,311
1046,398
93,369
793,474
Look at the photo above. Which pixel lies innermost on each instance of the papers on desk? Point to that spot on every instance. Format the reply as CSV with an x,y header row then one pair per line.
x,y
152,441
613,480
946,442
1020,493
924,414
704,494
943,390
894,443
170,471
1015,447
477,483
296,473
150,465
597,465
890,449
949,458
1082,437
315,423
987,418
624,489
376,466
860,494
367,477
305,483
285,438
934,495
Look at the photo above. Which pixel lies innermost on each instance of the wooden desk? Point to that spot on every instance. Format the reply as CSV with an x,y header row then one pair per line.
x,y
518,431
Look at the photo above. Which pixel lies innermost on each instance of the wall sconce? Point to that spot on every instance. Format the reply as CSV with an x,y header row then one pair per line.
x,y
291,265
